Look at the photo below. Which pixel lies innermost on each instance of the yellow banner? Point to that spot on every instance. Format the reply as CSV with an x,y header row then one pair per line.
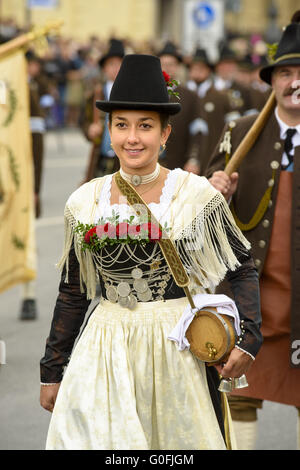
x,y
17,235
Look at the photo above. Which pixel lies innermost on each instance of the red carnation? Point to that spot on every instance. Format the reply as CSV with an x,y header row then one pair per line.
x,y
106,230
134,230
166,77
89,235
122,230
154,232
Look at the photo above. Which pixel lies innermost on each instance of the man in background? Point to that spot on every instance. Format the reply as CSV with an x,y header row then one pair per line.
x,y
264,197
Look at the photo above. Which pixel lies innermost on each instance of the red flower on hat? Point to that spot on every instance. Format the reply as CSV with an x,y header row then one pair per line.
x,y
166,77
171,84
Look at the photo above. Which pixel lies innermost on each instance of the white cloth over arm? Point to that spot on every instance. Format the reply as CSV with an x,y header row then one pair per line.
x,y
224,305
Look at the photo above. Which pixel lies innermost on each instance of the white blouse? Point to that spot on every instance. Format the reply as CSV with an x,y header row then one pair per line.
x,y
159,210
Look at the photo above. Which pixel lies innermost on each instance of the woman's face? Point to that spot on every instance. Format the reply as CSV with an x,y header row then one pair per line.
x,y
136,137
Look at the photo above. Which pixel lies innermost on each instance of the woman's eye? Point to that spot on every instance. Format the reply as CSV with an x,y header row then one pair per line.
x,y
120,125
146,126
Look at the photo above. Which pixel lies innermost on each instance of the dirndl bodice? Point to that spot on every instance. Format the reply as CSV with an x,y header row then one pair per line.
x,y
132,273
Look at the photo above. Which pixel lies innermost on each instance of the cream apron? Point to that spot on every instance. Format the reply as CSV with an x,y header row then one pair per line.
x,y
128,387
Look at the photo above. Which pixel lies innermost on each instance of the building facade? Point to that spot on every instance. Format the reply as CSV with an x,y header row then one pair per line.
x,y
142,19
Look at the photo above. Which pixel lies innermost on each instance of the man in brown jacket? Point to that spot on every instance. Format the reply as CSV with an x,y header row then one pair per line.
x,y
226,69
216,108
185,147
264,197
94,124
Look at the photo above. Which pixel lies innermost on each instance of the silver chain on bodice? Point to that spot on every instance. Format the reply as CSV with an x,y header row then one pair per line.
x,y
133,273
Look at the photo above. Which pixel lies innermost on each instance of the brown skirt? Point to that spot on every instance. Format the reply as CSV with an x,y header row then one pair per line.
x,y
271,377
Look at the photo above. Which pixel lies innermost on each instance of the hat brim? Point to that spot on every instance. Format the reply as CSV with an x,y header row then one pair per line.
x,y
109,56
199,60
166,108
178,57
266,72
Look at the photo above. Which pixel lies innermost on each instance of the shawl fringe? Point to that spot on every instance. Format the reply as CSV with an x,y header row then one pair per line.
x,y
204,246
88,275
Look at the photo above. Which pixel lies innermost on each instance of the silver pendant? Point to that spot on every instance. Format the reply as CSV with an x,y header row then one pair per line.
x,y
137,273
140,285
136,180
112,294
123,289
132,302
145,296
124,301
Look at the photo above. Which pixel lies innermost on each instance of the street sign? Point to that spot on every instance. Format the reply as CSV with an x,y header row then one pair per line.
x,y
203,25
203,14
42,3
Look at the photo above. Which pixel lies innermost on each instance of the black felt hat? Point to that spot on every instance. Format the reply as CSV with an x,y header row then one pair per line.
x,y
287,53
252,62
226,53
200,55
32,57
116,49
170,49
140,84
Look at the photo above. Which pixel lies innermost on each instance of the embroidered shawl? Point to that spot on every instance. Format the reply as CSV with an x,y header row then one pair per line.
x,y
202,228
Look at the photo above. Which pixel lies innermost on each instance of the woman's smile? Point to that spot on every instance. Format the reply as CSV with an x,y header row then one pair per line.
x,y
134,152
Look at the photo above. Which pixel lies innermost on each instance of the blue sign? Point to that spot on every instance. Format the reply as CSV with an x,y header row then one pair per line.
x,y
42,3
203,15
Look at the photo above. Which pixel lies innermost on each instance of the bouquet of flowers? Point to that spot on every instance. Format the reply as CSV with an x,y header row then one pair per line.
x,y
111,232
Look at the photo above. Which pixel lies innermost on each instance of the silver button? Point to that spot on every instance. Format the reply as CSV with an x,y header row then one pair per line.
x,y
261,243
270,203
209,106
277,146
257,263
232,124
274,165
266,223
271,183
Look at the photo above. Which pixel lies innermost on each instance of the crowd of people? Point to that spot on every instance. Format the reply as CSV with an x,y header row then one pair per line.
x,y
72,69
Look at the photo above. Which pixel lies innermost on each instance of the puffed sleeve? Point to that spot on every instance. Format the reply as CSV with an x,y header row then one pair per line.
x,y
244,284
69,314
